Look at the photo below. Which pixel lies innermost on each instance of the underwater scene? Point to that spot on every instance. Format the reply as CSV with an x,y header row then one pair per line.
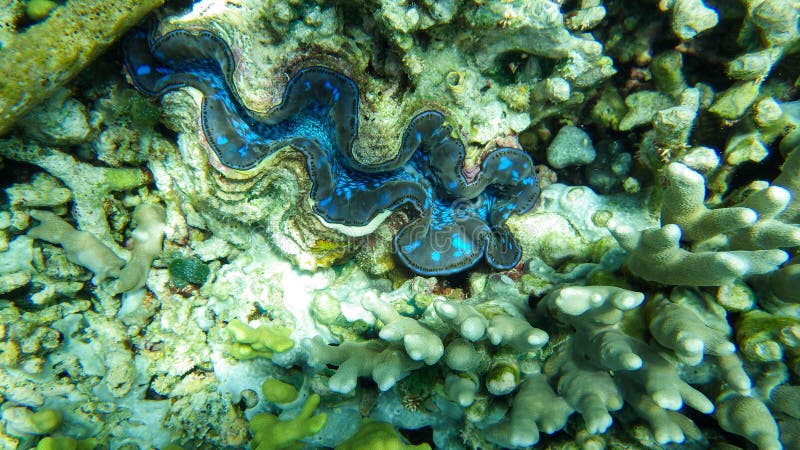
x,y
400,224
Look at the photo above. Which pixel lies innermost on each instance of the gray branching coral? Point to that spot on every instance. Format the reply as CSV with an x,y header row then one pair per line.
x,y
731,242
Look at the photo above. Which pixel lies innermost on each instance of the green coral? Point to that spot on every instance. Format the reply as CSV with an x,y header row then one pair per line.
x,y
66,443
46,420
380,435
269,433
258,342
37,10
277,391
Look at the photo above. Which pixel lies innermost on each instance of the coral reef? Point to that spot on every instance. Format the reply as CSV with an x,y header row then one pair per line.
x,y
160,290
378,435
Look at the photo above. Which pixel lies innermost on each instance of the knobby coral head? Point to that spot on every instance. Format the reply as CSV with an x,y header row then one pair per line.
x,y
459,220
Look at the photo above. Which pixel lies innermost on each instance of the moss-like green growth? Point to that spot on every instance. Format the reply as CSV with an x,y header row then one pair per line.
x,y
183,271
276,391
609,109
761,336
271,434
378,435
142,111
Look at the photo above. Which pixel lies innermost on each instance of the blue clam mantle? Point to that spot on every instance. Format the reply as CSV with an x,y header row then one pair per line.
x,y
460,220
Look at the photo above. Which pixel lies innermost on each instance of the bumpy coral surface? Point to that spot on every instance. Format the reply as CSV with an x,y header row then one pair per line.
x,y
328,287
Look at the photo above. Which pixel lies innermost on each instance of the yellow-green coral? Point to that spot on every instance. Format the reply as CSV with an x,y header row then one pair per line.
x,y
380,435
37,10
271,434
46,420
66,443
263,341
276,391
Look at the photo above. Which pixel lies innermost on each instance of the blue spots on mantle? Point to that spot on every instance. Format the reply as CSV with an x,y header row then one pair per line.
x,y
459,221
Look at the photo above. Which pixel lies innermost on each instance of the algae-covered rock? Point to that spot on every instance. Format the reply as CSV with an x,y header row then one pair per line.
x,y
50,53
571,147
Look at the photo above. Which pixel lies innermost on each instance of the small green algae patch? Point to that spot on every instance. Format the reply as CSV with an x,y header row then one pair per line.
x,y
183,271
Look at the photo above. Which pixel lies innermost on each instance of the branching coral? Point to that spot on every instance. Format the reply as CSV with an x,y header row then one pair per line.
x,y
148,237
385,365
269,433
90,185
86,250
81,247
749,233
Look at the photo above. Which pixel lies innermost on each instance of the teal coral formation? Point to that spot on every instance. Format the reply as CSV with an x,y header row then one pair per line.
x,y
656,301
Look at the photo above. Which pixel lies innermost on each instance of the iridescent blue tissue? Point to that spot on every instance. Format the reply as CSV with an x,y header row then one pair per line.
x,y
459,221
